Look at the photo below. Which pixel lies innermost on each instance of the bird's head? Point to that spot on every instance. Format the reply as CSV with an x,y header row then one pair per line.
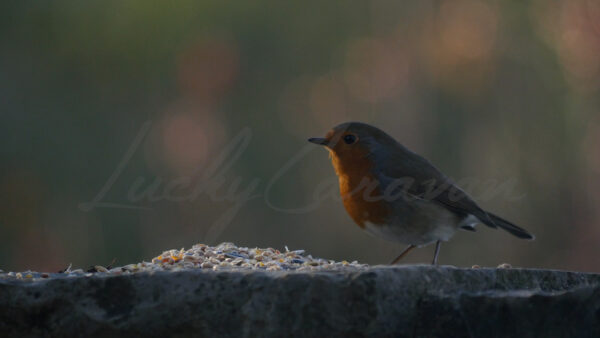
x,y
353,140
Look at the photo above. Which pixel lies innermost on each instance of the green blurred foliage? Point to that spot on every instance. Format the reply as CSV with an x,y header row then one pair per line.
x,y
490,90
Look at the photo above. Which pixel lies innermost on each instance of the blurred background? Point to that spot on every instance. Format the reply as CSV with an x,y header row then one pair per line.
x,y
152,93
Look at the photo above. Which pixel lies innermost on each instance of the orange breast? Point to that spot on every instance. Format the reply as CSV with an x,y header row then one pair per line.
x,y
360,190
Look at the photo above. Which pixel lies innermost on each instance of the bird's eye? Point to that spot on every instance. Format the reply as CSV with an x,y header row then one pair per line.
x,y
349,139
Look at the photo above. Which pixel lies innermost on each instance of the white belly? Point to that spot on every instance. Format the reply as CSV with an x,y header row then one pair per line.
x,y
423,223
396,234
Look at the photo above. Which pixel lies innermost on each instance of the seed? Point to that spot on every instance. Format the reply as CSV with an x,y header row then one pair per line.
x,y
100,268
225,256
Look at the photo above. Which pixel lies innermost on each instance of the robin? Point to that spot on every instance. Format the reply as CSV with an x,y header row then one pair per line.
x,y
397,195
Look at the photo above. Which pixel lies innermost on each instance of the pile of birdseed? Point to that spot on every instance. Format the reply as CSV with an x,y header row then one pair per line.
x,y
225,256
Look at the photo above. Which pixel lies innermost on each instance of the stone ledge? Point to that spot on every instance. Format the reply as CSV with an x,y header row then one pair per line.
x,y
379,301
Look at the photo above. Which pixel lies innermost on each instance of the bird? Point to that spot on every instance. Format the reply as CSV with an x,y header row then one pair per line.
x,y
397,195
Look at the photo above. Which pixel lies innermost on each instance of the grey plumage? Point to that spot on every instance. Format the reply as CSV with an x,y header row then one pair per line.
x,y
422,181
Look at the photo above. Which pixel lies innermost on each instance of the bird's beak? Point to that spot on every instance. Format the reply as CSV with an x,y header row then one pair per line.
x,y
319,140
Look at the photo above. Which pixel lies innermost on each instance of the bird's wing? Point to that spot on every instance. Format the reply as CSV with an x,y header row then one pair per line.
x,y
427,182
423,180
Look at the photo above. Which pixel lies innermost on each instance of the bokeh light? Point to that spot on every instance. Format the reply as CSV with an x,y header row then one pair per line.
x,y
492,91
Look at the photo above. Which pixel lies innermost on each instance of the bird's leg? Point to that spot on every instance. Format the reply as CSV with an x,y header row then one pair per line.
x,y
407,250
437,252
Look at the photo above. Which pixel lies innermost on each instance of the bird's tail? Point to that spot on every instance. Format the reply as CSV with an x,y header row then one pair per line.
x,y
496,221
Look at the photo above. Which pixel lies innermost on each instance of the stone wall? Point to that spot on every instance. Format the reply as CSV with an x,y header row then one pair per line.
x,y
401,301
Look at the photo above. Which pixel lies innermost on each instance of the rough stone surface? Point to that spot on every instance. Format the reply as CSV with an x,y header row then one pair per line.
x,y
402,301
